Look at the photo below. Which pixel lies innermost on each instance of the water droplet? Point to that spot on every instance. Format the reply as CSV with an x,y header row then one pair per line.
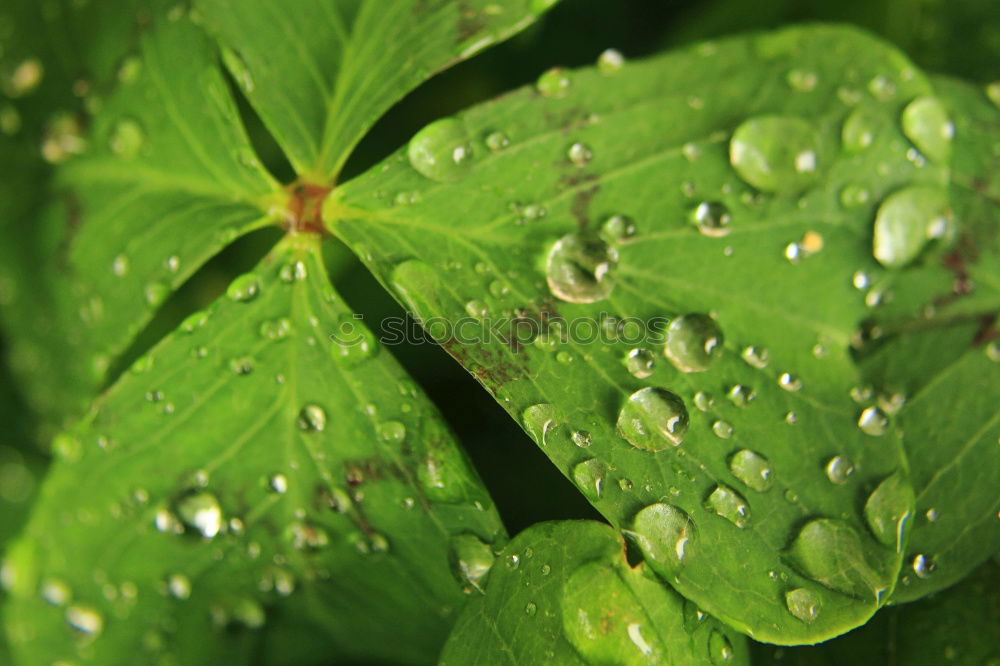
x,y
530,609
882,88
703,401
873,421
720,650
127,138
85,619
831,552
441,151
539,421
23,78
472,560
610,61
932,515
278,483
803,604
352,342
722,429
653,419
579,154
497,141
201,512
155,293
854,196
789,382
802,80
665,534
589,477
640,363
581,438
905,221
306,536
859,130
693,342
888,510
838,469
752,469
293,271
578,269
312,418
758,357
741,395
729,504
923,566
926,123
712,218
555,83
392,432
56,592
244,288
775,153
618,228
179,586
513,562
242,365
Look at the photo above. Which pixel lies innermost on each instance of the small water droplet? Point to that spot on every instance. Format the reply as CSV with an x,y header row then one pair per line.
x,y
882,88
758,357
665,534
352,342
530,609
579,154
640,362
720,650
803,604
581,438
275,329
873,421
244,288
441,151
392,432
859,130
752,469
712,218
311,418
306,536
497,141
554,83
923,566
854,195
838,469
179,586
741,395
610,61
578,269
472,560
278,483
722,429
729,504
56,592
201,512
802,80
156,293
653,419
926,123
906,220
127,138
23,78
703,401
241,366
618,229
789,382
120,265
85,619
693,342
775,153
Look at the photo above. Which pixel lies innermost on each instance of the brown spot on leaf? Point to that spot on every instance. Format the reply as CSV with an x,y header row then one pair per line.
x,y
305,208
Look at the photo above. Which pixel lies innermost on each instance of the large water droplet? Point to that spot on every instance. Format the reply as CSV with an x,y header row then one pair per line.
x,y
441,151
578,269
803,604
888,510
539,421
873,421
926,123
831,552
201,512
653,419
775,153
590,476
729,504
472,560
666,535
752,469
838,468
906,220
712,218
693,342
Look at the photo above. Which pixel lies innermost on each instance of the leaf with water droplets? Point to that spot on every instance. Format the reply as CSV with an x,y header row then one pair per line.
x,y
266,499
952,428
345,63
729,235
576,600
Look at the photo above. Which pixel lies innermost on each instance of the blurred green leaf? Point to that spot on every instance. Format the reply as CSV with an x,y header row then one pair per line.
x,y
563,593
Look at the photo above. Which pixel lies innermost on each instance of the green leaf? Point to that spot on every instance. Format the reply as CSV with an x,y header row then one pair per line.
x,y
948,392
954,626
562,592
169,180
267,449
611,200
321,73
